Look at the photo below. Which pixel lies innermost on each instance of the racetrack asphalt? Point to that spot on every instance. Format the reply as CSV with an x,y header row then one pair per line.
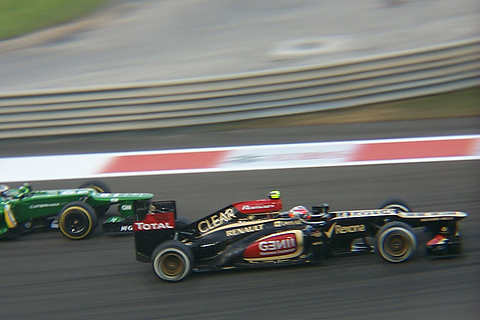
x,y
46,276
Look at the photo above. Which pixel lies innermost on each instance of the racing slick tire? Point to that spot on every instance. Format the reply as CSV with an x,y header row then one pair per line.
x,y
172,261
396,242
181,222
100,187
96,185
395,203
77,220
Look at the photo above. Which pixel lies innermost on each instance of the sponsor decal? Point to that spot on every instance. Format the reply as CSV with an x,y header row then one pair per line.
x,y
424,215
436,219
216,220
114,219
126,207
72,192
282,245
117,195
330,231
339,229
349,229
276,247
158,221
432,214
54,224
248,229
279,224
257,207
435,216
141,226
43,205
130,228
364,213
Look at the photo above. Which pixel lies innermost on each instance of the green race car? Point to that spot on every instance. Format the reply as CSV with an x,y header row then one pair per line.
x,y
74,211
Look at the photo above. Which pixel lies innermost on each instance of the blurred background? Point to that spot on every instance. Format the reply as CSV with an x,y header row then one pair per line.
x,y
118,66
92,42
85,76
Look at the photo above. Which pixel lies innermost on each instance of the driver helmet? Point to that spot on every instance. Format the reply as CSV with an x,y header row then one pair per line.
x,y
4,190
25,188
274,194
299,212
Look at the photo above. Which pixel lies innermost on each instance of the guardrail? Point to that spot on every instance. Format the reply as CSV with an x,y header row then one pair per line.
x,y
241,96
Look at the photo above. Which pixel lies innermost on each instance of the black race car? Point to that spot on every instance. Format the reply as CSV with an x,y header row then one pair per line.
x,y
258,233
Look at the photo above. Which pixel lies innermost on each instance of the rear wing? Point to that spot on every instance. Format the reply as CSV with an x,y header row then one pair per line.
x,y
152,227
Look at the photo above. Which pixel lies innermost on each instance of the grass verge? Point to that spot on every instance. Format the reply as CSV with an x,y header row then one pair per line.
x,y
18,17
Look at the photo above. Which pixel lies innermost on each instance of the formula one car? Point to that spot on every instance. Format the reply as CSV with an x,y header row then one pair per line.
x,y
256,234
74,211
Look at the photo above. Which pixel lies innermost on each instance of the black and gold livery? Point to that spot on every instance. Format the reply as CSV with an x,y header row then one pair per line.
x,y
258,233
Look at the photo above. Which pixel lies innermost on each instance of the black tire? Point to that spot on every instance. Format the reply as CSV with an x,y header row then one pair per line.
x,y
396,242
77,220
172,261
96,185
395,203
181,223
100,187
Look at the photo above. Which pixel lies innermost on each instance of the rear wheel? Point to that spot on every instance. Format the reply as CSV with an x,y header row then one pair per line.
x,y
172,261
100,187
396,242
97,185
77,220
395,203
181,222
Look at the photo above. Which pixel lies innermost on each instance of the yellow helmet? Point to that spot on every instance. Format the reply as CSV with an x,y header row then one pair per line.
x,y
274,194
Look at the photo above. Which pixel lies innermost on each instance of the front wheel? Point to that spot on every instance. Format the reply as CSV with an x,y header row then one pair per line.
x,y
396,242
77,220
172,261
